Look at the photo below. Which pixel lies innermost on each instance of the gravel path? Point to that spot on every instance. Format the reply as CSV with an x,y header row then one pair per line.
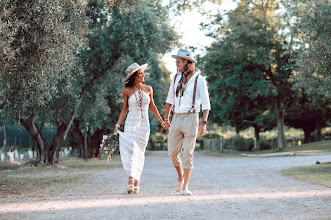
x,y
239,188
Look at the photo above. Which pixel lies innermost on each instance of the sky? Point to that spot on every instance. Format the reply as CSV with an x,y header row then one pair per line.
x,y
188,26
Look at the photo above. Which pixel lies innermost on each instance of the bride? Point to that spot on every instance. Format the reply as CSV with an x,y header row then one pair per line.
x,y
133,141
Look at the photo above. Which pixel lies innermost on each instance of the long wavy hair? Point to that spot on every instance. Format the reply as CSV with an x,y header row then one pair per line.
x,y
189,68
131,80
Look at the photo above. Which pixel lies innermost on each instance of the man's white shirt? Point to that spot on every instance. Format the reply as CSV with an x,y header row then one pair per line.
x,y
184,104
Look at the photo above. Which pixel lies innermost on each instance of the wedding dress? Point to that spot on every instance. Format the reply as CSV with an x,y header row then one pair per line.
x,y
134,139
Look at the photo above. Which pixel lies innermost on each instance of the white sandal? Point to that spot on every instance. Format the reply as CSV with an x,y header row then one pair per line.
x,y
179,186
136,189
130,186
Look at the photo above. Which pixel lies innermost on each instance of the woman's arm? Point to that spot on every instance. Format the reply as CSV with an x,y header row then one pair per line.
x,y
154,108
123,112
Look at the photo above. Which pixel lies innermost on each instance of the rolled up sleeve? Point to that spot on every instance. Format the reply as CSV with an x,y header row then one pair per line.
x,y
204,95
170,97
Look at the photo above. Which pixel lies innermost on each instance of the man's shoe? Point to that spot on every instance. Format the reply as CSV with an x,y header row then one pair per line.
x,y
187,192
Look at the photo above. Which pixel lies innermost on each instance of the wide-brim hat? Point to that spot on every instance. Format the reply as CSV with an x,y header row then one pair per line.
x,y
185,54
132,69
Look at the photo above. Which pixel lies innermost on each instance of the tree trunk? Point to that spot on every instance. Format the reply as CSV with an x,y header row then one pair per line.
x,y
237,131
42,145
95,141
279,115
56,144
318,128
61,134
85,140
4,135
77,139
257,136
307,130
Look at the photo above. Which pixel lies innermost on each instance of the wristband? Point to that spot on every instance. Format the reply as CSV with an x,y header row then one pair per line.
x,y
116,125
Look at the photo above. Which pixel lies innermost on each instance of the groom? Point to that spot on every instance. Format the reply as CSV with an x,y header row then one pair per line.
x,y
188,90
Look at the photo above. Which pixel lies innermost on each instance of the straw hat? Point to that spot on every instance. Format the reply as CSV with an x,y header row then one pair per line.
x,y
185,54
132,69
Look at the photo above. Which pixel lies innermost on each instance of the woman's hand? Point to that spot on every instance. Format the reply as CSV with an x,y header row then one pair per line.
x,y
116,129
163,125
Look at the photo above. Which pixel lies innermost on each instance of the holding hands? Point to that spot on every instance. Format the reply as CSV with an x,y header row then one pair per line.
x,y
166,124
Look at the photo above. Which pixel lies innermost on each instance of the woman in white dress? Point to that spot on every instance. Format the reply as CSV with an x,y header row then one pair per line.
x,y
133,141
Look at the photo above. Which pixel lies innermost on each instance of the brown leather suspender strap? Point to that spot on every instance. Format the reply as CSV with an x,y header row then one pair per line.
x,y
173,107
194,91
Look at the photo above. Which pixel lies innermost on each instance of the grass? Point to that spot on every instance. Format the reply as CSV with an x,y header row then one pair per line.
x,y
317,174
16,180
315,147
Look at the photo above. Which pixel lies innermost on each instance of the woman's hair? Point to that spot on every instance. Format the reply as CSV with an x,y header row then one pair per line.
x,y
131,80
189,68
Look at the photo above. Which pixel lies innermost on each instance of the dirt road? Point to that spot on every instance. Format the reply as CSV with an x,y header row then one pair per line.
x,y
240,188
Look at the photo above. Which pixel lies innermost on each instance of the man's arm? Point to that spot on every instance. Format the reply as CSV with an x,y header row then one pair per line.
x,y
203,127
166,115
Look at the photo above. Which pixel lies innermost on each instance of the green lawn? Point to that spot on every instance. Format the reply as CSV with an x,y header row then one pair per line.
x,y
315,147
317,174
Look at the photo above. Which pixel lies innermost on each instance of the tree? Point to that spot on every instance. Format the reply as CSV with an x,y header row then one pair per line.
x,y
306,114
245,67
39,42
311,30
135,31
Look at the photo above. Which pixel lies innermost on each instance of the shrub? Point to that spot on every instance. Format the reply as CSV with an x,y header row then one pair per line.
x,y
242,144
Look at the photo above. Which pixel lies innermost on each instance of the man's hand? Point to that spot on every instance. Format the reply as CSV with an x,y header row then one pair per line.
x,y
167,124
202,129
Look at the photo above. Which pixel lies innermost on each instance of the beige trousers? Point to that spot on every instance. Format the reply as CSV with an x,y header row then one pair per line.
x,y
182,136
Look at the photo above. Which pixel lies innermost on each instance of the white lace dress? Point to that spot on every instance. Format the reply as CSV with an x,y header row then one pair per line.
x,y
133,141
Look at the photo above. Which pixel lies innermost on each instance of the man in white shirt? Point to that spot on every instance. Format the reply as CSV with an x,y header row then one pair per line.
x,y
188,90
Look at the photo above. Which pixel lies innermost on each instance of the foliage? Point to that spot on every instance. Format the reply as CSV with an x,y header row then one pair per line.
x,y
311,29
135,32
242,144
244,66
38,48
304,112
188,5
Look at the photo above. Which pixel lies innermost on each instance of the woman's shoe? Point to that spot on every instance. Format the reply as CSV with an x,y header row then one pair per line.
x,y
130,188
130,185
136,189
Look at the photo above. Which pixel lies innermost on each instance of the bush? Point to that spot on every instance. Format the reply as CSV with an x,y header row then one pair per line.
x,y
265,145
242,144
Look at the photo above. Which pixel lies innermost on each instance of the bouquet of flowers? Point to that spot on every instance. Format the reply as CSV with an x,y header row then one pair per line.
x,y
109,144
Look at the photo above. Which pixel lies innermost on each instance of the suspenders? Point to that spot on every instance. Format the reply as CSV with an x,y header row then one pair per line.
x,y
194,92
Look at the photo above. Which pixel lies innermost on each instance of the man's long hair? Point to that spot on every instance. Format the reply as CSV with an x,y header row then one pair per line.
x,y
189,68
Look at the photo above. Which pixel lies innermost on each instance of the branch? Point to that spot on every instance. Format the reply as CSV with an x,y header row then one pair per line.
x,y
72,117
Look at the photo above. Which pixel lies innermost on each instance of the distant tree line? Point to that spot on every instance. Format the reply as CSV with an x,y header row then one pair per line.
x,y
270,66
62,63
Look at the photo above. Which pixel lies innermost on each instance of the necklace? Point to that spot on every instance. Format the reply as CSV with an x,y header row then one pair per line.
x,y
139,99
